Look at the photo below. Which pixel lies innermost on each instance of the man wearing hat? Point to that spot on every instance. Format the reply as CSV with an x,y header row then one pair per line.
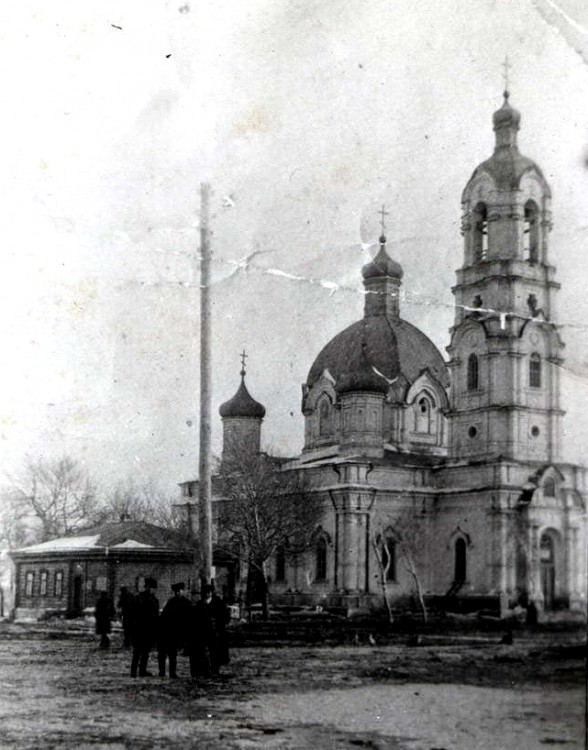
x,y
144,631
208,644
173,629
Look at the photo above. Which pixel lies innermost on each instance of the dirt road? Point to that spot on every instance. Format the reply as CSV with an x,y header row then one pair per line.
x,y
464,696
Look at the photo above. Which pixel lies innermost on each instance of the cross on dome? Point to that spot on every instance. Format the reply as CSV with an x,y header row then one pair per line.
x,y
506,65
383,214
244,356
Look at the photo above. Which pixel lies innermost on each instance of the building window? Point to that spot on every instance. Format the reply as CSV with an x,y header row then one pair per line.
x,y
460,561
321,560
549,487
480,232
43,583
58,583
546,552
531,232
29,583
325,420
389,558
473,373
535,371
424,415
280,564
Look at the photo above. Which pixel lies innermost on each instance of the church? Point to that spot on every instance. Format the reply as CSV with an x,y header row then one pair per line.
x,y
444,476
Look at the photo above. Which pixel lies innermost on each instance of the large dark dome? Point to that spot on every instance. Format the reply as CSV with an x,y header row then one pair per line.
x,y
392,346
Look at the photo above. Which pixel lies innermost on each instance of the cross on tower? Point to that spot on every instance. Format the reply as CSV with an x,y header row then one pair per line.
x,y
244,356
506,65
383,214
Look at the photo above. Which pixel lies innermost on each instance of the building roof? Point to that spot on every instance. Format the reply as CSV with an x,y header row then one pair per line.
x,y
129,535
391,346
242,404
382,265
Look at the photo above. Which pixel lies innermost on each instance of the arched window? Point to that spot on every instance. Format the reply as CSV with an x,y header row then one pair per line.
x,y
531,232
546,552
473,373
480,229
325,421
280,564
321,560
424,416
535,371
549,487
389,557
460,560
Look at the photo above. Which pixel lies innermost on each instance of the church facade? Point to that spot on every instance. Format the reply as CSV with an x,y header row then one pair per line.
x,y
445,477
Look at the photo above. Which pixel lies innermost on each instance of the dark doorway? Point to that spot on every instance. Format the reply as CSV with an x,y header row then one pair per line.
x,y
77,594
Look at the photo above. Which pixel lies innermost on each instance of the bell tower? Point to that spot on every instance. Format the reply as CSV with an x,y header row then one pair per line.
x,y
505,349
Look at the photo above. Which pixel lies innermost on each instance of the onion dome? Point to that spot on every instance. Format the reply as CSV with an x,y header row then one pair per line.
x,y
361,376
506,116
242,404
382,265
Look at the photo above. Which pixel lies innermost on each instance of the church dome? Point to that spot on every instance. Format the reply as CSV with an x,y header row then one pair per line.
x,y
507,165
382,265
375,351
506,116
362,377
242,405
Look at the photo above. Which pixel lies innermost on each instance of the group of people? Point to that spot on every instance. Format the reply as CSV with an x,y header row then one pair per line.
x,y
198,629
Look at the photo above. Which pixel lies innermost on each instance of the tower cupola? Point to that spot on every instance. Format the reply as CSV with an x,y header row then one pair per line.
x,y
506,122
382,278
242,416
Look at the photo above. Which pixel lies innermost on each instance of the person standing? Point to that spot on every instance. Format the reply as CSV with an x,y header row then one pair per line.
x,y
173,629
208,645
201,637
221,616
144,627
104,612
125,608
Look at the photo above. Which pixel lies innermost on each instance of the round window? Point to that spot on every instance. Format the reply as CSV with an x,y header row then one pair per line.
x,y
535,431
472,432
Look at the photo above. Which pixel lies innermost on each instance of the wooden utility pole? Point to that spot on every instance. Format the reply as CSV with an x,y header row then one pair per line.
x,y
205,487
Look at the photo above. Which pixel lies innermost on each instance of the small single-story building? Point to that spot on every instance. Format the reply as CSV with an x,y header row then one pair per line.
x,y
67,574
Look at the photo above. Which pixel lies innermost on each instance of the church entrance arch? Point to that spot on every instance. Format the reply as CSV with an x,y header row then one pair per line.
x,y
547,561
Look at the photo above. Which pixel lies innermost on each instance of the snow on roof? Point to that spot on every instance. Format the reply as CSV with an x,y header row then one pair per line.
x,y
131,544
65,543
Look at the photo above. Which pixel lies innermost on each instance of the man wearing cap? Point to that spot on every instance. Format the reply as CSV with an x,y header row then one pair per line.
x,y
144,631
173,629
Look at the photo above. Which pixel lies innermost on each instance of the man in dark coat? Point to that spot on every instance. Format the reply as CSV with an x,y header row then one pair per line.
x,y
207,644
221,616
104,613
144,627
125,608
173,629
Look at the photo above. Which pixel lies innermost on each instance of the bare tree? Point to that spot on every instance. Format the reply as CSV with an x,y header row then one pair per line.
x,y
407,531
15,522
57,493
260,509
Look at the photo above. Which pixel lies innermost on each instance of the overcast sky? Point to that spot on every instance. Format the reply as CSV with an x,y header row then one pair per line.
x,y
305,116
